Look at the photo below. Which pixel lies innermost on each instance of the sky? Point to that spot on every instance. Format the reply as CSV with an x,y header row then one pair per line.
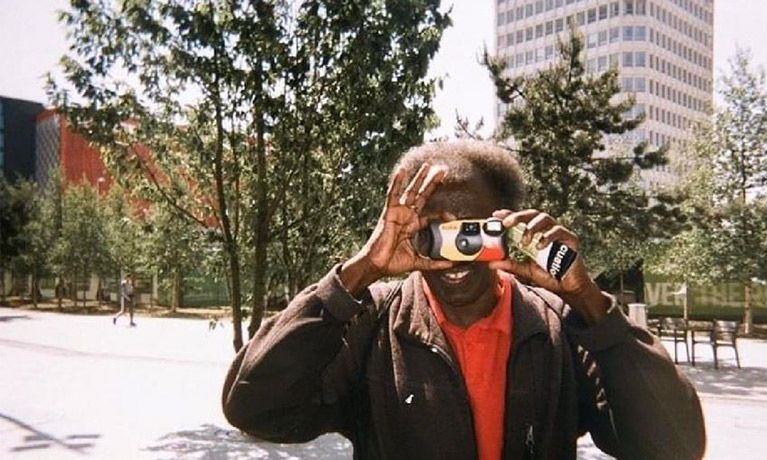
x,y
31,43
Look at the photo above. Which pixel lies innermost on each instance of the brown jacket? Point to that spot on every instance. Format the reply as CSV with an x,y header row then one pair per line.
x,y
388,380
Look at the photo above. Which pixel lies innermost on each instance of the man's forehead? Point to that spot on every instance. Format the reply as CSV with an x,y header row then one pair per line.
x,y
464,199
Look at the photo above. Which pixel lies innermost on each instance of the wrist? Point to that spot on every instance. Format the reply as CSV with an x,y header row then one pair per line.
x,y
590,303
358,273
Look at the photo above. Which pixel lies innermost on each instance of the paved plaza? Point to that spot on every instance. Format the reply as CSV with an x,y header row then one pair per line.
x,y
78,387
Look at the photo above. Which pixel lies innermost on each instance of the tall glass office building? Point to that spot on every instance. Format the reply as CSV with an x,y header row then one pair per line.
x,y
663,49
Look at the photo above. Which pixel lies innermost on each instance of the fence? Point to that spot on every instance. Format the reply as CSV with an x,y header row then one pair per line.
x,y
149,290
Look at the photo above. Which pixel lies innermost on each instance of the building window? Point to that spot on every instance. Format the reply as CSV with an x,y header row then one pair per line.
x,y
528,10
592,15
640,85
591,40
640,33
615,9
628,59
602,38
539,7
581,18
639,59
529,34
628,6
628,33
614,60
603,12
510,16
539,31
559,25
602,63
628,84
501,18
615,34
549,52
641,7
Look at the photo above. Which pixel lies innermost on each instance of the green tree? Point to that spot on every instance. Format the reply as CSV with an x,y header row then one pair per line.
x,y
81,246
13,218
559,122
124,234
37,236
726,175
225,110
173,249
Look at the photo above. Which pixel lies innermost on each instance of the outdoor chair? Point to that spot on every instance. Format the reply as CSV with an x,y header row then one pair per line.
x,y
674,329
718,334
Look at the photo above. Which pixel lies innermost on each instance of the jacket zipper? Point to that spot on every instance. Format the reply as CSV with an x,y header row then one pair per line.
x,y
445,356
530,441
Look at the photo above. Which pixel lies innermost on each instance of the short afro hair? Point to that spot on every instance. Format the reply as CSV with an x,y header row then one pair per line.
x,y
464,158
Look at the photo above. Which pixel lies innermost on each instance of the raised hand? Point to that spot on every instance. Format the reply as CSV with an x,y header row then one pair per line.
x,y
390,250
576,287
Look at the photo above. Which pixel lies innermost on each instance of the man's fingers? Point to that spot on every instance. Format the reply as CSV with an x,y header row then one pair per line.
x,y
433,179
561,234
502,213
395,188
520,217
528,271
538,224
411,192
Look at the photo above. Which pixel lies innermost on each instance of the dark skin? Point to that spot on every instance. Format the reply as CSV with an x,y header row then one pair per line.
x,y
390,250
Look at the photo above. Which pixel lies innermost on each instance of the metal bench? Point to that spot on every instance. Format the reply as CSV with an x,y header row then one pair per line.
x,y
717,334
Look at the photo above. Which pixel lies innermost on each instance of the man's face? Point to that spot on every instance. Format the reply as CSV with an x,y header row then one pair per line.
x,y
463,284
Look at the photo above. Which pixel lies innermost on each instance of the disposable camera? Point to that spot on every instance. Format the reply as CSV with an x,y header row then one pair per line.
x,y
485,240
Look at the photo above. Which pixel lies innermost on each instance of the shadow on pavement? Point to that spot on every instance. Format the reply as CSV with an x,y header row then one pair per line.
x,y
9,318
747,382
211,442
37,439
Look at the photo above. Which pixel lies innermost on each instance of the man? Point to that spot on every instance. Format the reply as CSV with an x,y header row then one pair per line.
x,y
461,361
126,298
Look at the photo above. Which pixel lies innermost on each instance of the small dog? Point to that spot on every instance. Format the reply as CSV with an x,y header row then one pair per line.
x,y
213,323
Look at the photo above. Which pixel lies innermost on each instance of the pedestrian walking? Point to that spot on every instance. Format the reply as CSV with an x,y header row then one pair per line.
x,y
127,286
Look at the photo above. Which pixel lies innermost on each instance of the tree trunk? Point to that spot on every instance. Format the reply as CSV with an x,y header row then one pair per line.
x,y
230,244
175,292
2,284
748,319
262,220
85,291
35,290
59,290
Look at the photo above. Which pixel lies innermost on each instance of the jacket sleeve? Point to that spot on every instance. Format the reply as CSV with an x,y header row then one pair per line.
x,y
634,401
295,379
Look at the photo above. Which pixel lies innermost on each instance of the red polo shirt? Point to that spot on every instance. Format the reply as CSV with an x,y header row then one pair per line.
x,y
483,351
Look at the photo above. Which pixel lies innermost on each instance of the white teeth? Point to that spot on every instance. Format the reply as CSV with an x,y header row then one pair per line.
x,y
457,276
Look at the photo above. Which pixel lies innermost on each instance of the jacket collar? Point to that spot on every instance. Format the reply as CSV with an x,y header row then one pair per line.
x,y
415,320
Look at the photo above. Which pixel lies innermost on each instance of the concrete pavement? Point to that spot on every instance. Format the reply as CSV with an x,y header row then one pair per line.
x,y
79,387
